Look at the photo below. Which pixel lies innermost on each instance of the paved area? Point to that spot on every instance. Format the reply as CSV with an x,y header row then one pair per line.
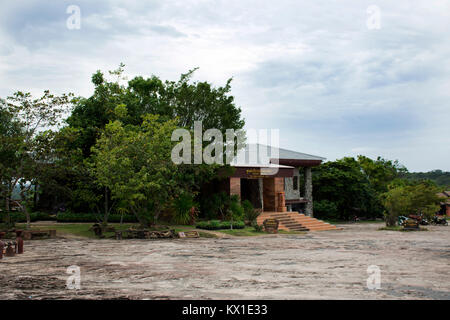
x,y
322,265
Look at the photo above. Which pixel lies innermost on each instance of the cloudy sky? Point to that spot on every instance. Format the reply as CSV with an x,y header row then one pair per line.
x,y
336,80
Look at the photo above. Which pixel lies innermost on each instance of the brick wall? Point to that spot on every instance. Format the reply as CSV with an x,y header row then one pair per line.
x,y
235,186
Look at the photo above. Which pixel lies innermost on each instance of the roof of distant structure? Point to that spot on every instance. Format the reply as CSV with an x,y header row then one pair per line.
x,y
263,155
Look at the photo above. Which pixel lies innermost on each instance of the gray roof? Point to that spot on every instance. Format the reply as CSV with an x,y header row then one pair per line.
x,y
259,154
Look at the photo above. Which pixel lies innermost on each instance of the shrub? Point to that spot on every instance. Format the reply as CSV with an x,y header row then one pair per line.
x,y
182,208
217,225
249,212
326,209
34,216
90,217
235,208
257,227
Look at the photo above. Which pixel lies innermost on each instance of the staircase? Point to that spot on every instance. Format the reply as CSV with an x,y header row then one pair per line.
x,y
294,221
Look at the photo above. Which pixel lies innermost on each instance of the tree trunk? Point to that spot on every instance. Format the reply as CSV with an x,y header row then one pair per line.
x,y
142,222
7,204
8,213
390,220
27,215
105,217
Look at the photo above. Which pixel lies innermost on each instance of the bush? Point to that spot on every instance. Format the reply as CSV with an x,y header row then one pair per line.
x,y
34,216
249,212
236,209
218,225
326,209
91,217
257,227
182,208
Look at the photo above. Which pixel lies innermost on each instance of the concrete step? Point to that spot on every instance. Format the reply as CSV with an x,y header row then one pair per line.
x,y
293,221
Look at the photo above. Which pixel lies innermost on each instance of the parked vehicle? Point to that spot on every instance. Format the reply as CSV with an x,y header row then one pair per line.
x,y
419,218
439,221
401,220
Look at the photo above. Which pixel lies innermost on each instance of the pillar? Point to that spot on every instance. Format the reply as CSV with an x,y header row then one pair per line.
x,y
261,193
308,192
235,186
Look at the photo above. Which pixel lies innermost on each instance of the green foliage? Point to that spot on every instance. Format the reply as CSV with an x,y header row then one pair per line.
x,y
127,106
34,216
134,162
218,225
257,227
348,187
215,206
224,207
182,205
236,211
91,217
29,156
183,100
250,213
414,198
441,178
325,208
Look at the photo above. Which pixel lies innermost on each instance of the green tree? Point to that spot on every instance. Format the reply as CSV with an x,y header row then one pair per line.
x,y
32,142
183,100
405,198
380,172
343,183
134,162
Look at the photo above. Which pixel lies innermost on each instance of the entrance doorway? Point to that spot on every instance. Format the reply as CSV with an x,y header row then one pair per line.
x,y
251,191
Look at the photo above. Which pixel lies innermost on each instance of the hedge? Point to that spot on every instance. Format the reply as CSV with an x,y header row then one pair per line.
x,y
90,217
34,216
217,225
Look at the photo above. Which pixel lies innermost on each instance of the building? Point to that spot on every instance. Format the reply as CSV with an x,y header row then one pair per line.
x,y
273,179
445,204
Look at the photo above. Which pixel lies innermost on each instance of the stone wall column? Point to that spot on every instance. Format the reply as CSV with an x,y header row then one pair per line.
x,y
308,192
261,193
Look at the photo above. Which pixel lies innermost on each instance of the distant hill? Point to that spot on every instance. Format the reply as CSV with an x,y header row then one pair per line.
x,y
441,178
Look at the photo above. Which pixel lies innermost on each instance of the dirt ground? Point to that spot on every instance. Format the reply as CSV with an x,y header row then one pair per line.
x,y
321,265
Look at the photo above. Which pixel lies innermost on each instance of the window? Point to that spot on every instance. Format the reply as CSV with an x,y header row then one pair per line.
x,y
295,181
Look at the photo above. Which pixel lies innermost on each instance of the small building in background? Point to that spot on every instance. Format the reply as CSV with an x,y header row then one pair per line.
x,y
273,179
445,204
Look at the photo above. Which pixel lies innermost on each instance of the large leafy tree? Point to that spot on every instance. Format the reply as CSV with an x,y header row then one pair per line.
x,y
404,198
348,186
184,100
134,162
31,157
380,172
343,184
10,132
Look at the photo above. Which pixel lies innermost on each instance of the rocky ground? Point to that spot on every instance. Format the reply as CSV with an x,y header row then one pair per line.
x,y
321,265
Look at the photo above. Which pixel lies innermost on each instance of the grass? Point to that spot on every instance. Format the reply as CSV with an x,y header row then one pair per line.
x,y
76,229
82,229
332,221
400,228
246,232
